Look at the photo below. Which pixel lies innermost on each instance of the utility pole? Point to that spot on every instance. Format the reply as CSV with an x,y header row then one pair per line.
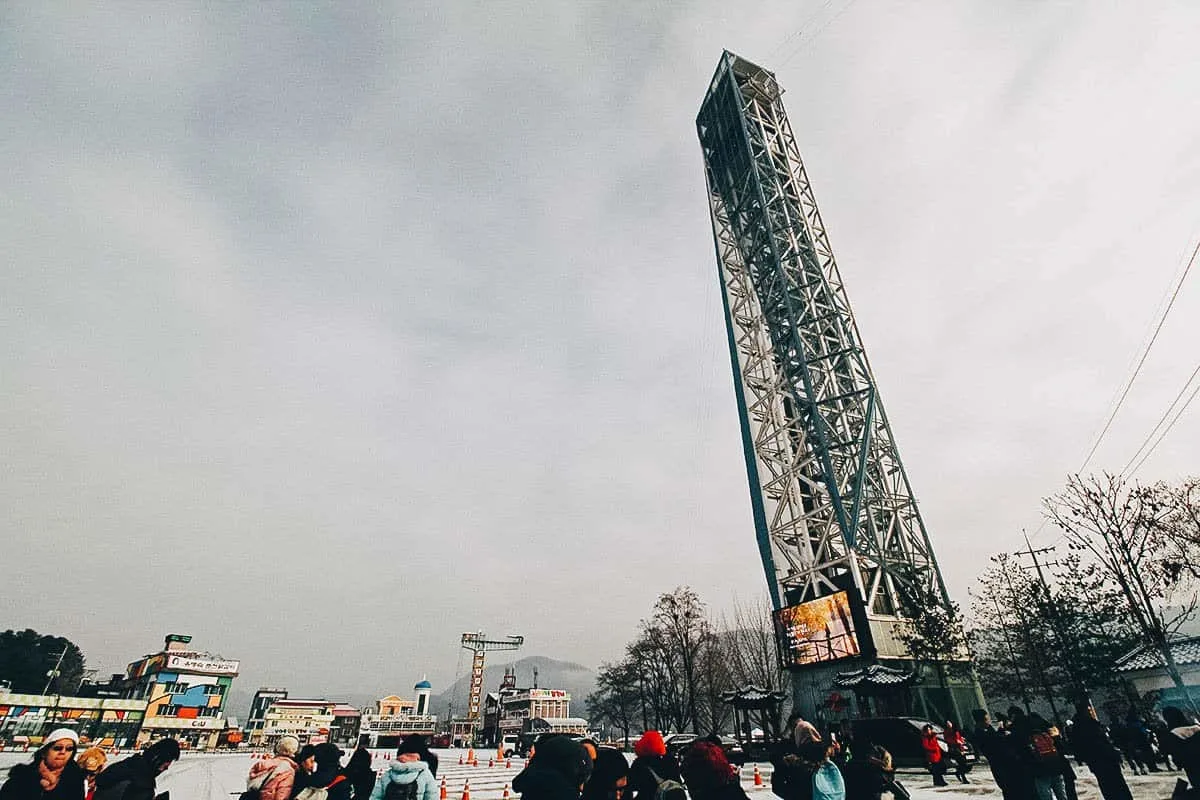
x,y
1012,653
1068,654
1033,651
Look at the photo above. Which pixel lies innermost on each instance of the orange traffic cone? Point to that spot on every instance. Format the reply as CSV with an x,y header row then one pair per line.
x,y
443,795
460,759
757,777
499,752
471,754
475,762
491,763
508,763
466,791
505,797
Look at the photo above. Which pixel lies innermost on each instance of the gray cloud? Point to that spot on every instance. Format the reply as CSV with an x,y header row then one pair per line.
x,y
339,331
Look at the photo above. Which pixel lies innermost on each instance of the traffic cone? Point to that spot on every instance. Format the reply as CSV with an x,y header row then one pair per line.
x,y
460,759
491,763
505,797
467,791
475,763
757,778
508,763
471,754
443,794
499,752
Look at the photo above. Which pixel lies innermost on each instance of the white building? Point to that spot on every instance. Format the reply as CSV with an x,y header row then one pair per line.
x,y
396,717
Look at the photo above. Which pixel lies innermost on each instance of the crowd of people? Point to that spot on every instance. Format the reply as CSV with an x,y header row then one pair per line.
x,y
58,772
1029,757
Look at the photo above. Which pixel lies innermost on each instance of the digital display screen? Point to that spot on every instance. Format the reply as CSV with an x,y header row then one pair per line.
x,y
817,631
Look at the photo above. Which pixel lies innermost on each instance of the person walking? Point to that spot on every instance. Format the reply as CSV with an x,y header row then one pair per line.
x,y
1046,760
956,750
934,758
558,770
52,774
1182,744
651,765
136,777
406,778
276,776
359,773
1093,747
990,744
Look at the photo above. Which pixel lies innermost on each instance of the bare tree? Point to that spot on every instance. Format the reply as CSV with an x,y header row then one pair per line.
x,y
1125,531
616,699
751,647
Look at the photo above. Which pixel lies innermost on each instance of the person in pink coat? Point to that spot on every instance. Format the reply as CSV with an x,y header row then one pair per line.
x,y
276,776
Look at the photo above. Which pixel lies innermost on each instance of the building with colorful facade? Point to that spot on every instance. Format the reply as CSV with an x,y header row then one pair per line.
x,y
184,691
109,721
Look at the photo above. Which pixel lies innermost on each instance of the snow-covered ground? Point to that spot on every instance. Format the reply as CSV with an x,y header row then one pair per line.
x,y
220,777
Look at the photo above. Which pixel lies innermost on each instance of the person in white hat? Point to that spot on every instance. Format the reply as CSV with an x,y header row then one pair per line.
x,y
53,772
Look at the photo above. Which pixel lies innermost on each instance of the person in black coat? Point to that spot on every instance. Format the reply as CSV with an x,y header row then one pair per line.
x,y
610,776
360,774
52,773
1093,747
135,777
329,775
558,770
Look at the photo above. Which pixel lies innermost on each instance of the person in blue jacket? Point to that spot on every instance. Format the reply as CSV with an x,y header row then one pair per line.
x,y
409,775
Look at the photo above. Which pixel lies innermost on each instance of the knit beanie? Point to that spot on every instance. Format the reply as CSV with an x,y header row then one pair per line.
x,y
61,733
651,744
287,746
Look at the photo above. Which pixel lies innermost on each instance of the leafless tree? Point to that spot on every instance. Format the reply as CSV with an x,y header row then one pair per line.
x,y
1124,529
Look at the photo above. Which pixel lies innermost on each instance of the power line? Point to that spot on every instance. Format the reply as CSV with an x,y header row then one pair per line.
x,y
817,33
1142,360
799,30
1161,420
1167,429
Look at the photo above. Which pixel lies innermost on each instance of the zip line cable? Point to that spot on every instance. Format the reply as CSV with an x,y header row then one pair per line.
x,y
1186,385
1142,360
799,30
1167,429
815,34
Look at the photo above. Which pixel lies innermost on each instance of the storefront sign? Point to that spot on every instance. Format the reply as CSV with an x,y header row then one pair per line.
x,y
209,666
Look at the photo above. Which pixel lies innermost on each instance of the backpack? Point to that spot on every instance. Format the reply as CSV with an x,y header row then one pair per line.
x,y
827,783
666,788
401,791
1043,747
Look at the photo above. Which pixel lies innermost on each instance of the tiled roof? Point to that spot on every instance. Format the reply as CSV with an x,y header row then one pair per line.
x,y
875,674
1185,651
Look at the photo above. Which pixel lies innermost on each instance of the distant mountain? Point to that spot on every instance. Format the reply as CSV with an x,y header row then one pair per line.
x,y
577,679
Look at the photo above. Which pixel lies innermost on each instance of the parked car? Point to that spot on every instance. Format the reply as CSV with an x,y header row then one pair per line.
x,y
733,750
510,744
901,736
678,742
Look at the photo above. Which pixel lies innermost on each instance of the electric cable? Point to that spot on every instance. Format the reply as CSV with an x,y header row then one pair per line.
x,y
1167,429
1141,361
1161,420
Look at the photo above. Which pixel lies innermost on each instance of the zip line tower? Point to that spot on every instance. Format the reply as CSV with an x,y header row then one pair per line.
x,y
839,533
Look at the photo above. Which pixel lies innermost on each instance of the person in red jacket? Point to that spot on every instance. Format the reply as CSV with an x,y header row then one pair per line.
x,y
934,758
956,745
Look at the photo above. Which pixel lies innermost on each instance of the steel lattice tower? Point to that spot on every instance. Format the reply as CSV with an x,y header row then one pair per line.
x,y
832,505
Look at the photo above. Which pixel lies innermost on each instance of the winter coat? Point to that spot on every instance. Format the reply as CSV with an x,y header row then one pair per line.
x,y
828,783
279,785
932,747
358,771
865,779
405,772
642,783
130,779
324,777
25,783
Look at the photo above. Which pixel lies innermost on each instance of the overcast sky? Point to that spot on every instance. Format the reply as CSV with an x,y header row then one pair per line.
x,y
329,332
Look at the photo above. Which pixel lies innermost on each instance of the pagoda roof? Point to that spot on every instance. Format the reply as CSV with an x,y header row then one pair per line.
x,y
873,676
1185,650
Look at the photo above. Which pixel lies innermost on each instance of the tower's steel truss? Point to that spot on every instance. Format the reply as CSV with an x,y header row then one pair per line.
x,y
832,504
